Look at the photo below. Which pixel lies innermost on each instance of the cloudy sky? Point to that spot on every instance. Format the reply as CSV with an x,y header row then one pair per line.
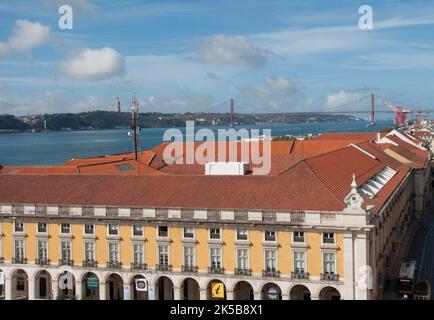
x,y
271,56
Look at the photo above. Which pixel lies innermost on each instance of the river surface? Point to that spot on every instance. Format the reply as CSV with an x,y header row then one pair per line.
x,y
54,148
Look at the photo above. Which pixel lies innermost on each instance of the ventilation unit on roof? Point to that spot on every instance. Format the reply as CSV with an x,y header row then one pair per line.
x,y
371,187
226,168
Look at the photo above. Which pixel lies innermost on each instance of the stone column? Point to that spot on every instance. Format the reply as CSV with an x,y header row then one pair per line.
x,y
257,295
349,263
8,288
361,259
229,295
78,290
54,289
203,294
31,288
176,293
285,296
102,291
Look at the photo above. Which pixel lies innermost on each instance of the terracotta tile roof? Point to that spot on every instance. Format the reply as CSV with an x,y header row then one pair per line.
x,y
309,175
353,136
417,156
241,192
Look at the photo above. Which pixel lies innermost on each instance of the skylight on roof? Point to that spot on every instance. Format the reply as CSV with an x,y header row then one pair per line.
x,y
124,167
371,187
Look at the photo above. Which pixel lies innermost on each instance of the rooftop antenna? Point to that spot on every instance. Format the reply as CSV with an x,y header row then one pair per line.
x,y
135,126
118,104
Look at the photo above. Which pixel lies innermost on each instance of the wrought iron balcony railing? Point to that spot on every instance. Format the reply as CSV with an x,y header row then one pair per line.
x,y
189,269
329,276
163,267
113,265
299,275
19,260
215,270
42,262
89,263
66,262
270,273
243,272
138,266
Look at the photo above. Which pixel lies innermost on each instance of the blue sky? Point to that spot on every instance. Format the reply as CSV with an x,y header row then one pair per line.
x,y
272,56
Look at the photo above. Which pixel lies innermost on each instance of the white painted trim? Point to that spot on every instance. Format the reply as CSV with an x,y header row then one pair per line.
x,y
365,152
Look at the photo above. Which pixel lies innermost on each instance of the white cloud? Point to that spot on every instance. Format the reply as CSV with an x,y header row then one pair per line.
x,y
345,100
276,94
78,6
221,49
396,61
93,64
50,102
183,103
26,35
399,22
300,42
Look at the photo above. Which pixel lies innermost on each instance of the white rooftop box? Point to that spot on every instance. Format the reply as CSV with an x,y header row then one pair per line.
x,y
226,168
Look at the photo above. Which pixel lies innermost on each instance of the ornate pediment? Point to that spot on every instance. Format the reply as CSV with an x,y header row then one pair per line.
x,y
354,200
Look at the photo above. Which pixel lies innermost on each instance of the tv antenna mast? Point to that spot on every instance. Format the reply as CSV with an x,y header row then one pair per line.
x,y
135,126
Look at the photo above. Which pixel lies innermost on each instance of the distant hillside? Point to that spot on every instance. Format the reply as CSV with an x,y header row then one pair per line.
x,y
9,123
97,120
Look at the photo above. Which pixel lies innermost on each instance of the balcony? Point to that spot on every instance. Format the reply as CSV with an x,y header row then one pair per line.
x,y
243,272
189,269
89,263
215,270
113,265
19,260
138,266
329,276
163,267
270,273
299,275
42,262
66,262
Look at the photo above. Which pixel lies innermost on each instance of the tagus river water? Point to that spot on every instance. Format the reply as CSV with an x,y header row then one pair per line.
x,y
54,148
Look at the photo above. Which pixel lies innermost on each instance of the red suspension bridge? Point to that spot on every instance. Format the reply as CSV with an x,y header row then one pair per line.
x,y
365,104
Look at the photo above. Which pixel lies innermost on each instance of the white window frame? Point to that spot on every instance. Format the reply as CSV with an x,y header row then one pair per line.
x,y
141,228
37,248
23,225
194,233
94,249
323,235
168,252
304,236
323,253
220,234
134,253
108,229
61,249
42,232
158,232
93,229
61,231
305,259
247,258
194,255
276,259
221,256
275,236
242,229
109,252
24,248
